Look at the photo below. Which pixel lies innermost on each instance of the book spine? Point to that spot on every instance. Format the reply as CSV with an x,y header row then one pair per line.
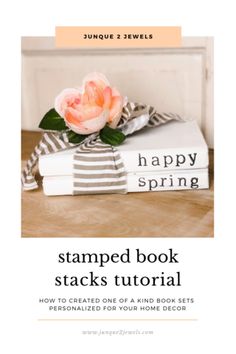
x,y
56,165
138,182
164,160
134,161
181,180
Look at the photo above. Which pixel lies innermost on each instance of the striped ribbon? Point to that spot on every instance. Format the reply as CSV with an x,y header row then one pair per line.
x,y
97,167
50,142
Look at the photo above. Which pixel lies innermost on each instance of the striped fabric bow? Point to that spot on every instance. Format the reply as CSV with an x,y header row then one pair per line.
x,y
97,167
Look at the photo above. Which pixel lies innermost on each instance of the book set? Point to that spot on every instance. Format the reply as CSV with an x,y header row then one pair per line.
x,y
100,143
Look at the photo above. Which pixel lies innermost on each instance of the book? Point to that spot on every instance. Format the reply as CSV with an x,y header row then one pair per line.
x,y
139,182
173,146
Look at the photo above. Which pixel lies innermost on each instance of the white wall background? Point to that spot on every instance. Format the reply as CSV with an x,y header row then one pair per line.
x,y
172,80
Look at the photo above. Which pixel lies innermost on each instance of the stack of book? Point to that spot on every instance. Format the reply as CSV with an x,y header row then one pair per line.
x,y
173,156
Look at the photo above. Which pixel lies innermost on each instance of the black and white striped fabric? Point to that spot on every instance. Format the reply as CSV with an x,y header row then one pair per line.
x,y
97,167
50,143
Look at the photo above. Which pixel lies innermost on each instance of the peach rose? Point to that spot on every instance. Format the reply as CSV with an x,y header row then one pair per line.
x,y
87,110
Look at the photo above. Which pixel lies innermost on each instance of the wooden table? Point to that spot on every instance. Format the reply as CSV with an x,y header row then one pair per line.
x,y
153,214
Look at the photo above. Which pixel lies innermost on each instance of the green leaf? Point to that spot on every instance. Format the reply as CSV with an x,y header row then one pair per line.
x,y
112,136
74,137
52,121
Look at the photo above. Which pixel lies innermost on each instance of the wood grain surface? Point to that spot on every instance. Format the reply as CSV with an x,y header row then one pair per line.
x,y
153,214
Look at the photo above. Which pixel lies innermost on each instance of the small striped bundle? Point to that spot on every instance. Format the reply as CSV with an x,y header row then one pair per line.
x,y
97,167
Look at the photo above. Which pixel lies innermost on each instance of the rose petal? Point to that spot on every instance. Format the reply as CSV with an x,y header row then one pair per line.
x,y
78,128
115,111
107,95
85,98
61,100
91,112
98,78
92,125
73,116
115,92
94,93
82,113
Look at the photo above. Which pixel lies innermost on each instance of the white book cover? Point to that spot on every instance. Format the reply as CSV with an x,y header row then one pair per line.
x,y
138,182
173,146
